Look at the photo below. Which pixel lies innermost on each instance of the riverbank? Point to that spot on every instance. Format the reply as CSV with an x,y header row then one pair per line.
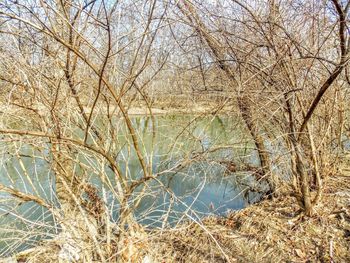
x,y
269,231
163,106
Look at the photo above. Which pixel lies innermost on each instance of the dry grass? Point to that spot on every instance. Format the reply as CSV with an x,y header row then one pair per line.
x,y
270,231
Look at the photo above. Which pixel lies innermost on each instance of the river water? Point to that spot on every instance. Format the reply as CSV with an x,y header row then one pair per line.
x,y
202,187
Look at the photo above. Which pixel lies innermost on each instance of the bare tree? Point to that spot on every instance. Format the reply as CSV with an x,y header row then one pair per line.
x,y
65,65
264,58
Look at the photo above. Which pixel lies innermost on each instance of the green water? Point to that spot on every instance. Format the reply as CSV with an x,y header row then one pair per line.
x,y
200,188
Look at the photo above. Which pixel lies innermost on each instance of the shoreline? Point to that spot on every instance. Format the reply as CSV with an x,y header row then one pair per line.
x,y
135,110
268,230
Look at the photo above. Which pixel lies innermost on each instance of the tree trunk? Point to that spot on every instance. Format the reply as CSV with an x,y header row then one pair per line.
x,y
243,102
245,110
302,175
80,221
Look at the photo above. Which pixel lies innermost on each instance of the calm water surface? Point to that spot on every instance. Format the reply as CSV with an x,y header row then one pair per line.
x,y
199,189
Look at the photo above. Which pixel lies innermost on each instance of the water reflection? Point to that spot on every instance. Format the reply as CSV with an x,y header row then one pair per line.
x,y
199,188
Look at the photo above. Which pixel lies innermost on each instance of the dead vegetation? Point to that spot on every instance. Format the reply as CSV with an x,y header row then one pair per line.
x,y
273,230
270,231
73,72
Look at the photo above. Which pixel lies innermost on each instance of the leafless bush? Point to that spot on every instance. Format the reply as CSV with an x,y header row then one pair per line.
x,y
71,71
